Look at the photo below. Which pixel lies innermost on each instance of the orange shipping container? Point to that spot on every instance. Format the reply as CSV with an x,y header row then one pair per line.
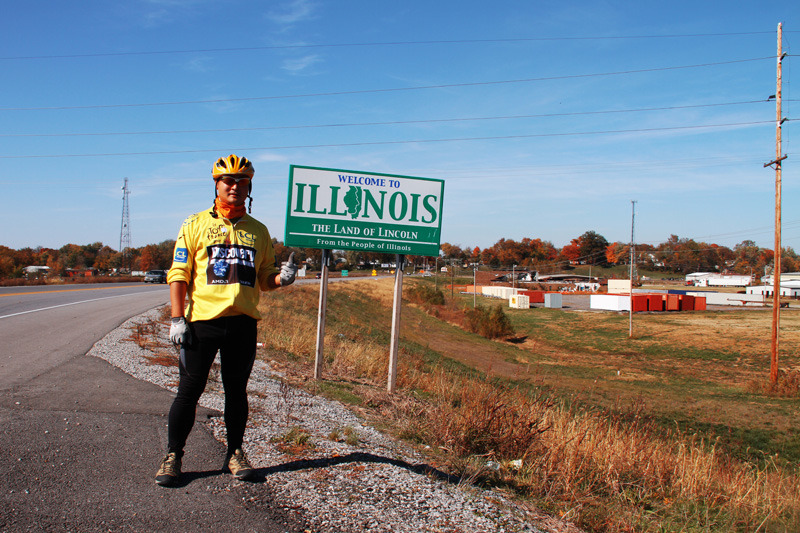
x,y
687,302
655,302
673,302
639,302
699,303
536,297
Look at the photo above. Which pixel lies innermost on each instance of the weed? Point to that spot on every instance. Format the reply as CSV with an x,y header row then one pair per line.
x,y
294,441
350,436
287,395
146,334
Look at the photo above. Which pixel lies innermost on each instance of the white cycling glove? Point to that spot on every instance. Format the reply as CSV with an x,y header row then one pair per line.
x,y
288,271
179,331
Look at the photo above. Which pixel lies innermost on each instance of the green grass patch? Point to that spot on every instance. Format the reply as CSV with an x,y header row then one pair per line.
x,y
340,391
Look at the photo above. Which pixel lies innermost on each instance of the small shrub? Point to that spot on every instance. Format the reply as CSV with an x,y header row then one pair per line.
x,y
425,295
491,324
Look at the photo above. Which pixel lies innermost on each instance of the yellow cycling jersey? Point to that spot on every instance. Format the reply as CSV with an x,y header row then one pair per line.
x,y
224,265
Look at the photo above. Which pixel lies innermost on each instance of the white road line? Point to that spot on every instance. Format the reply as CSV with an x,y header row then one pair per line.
x,y
73,303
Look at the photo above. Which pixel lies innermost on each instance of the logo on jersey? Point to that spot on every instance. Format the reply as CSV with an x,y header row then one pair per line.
x,y
247,238
231,263
216,232
181,255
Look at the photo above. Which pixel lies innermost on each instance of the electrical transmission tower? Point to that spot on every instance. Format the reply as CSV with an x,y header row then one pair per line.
x,y
125,229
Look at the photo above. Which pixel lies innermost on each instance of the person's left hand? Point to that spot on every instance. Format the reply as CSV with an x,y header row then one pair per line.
x,y
288,271
179,332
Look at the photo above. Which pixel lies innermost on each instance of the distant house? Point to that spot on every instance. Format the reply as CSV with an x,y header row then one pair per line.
x,y
656,261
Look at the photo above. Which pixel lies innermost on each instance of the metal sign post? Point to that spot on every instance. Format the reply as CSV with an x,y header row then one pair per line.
x,y
321,314
396,306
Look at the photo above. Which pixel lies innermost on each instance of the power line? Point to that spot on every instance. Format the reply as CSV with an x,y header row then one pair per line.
x,y
393,89
494,172
386,43
378,143
387,123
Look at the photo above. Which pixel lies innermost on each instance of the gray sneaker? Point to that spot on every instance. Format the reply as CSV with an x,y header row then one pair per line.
x,y
240,467
169,471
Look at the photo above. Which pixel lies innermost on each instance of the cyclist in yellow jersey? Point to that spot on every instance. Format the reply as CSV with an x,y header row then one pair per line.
x,y
223,259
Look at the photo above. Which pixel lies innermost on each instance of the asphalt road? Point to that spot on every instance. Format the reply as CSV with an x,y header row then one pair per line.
x,y
81,440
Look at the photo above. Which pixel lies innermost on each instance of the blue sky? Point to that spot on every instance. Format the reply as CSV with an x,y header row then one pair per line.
x,y
545,119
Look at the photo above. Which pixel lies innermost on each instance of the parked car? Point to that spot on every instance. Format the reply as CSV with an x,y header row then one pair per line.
x,y
155,276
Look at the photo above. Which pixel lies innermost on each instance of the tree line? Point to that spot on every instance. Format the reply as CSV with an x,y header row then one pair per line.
x,y
95,256
678,255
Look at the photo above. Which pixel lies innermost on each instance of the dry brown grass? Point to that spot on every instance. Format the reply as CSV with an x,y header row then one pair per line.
x,y
163,358
605,471
146,335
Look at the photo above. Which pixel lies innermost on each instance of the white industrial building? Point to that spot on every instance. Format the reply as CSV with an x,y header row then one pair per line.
x,y
715,279
788,288
785,277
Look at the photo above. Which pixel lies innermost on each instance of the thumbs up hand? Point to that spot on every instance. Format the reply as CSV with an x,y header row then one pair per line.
x,y
288,271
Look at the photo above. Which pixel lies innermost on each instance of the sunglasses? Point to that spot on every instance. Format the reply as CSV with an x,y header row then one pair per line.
x,y
230,181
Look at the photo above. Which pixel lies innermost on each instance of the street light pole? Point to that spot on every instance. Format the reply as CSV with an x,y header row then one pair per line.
x,y
474,286
513,277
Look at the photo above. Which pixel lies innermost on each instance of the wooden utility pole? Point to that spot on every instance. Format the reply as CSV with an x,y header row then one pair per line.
x,y
776,274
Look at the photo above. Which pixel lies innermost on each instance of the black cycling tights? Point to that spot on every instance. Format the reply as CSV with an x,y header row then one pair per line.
x,y
235,338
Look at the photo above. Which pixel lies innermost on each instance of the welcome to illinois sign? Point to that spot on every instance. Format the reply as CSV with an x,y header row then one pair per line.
x,y
352,210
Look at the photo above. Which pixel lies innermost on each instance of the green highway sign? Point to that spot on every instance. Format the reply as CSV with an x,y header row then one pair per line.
x,y
353,210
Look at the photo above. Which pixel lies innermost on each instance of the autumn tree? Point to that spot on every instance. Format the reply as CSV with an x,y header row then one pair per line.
x,y
618,253
790,262
475,255
538,251
452,251
7,265
592,248
570,253
745,256
488,257
147,258
107,259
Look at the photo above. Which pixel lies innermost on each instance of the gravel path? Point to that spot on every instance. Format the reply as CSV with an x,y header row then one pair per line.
x,y
321,463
